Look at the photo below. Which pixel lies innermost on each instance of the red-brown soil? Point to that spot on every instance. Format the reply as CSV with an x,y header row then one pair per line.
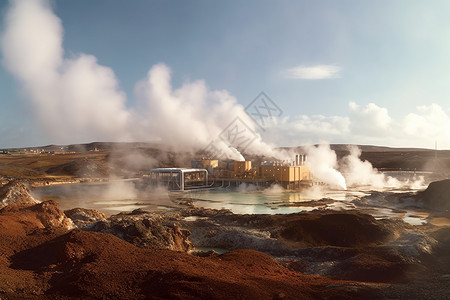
x,y
42,258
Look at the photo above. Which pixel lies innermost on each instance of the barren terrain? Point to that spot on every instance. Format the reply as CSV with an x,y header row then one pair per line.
x,y
82,253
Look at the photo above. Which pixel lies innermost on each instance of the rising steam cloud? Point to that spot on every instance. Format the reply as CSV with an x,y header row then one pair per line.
x,y
77,100
322,161
361,173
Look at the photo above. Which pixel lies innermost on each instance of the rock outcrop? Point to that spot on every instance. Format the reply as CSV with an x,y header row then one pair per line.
x,y
146,230
50,216
83,217
16,193
437,196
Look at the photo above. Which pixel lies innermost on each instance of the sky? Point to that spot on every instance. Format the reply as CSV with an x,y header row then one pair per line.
x,y
180,72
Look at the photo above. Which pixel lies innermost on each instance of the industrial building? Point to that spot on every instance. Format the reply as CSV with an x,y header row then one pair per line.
x,y
289,175
209,173
179,179
205,164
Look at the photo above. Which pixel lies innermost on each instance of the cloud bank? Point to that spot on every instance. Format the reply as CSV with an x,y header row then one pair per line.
x,y
367,124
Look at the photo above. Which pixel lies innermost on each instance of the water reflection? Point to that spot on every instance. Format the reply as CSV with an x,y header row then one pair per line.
x,y
116,196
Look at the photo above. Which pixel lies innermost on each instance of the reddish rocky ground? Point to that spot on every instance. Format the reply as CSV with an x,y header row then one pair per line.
x,y
43,257
132,255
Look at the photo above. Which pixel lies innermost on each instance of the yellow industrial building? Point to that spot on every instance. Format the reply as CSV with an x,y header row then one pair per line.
x,y
205,163
289,176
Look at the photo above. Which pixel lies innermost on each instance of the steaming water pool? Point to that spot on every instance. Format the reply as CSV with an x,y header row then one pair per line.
x,y
116,196
272,203
110,197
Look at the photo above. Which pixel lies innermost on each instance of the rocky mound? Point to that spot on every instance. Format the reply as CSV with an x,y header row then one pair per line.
x,y
330,228
23,221
146,230
83,217
340,244
437,196
15,193
22,228
278,234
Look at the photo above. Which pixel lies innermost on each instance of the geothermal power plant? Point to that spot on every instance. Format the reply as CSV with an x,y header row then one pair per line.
x,y
213,173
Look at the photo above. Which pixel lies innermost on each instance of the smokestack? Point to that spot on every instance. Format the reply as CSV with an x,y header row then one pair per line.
x,y
296,160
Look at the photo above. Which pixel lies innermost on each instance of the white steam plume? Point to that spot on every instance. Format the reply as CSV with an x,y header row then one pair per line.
x,y
72,98
77,100
362,173
322,161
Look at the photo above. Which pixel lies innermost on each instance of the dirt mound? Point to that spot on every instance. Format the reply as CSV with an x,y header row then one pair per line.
x,y
146,230
83,217
94,265
344,229
22,228
15,193
381,264
23,221
437,196
300,230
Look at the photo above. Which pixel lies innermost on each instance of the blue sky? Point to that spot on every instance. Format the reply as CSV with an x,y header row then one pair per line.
x,y
341,71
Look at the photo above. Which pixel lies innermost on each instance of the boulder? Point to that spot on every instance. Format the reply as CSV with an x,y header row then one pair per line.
x,y
18,221
83,217
437,196
16,193
146,230
51,216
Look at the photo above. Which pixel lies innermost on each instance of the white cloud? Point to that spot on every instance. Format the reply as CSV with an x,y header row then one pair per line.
x,y
367,124
313,72
302,129
429,121
370,119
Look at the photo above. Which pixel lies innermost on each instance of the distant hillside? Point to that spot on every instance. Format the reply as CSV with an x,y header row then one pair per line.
x,y
100,146
371,148
100,159
107,146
